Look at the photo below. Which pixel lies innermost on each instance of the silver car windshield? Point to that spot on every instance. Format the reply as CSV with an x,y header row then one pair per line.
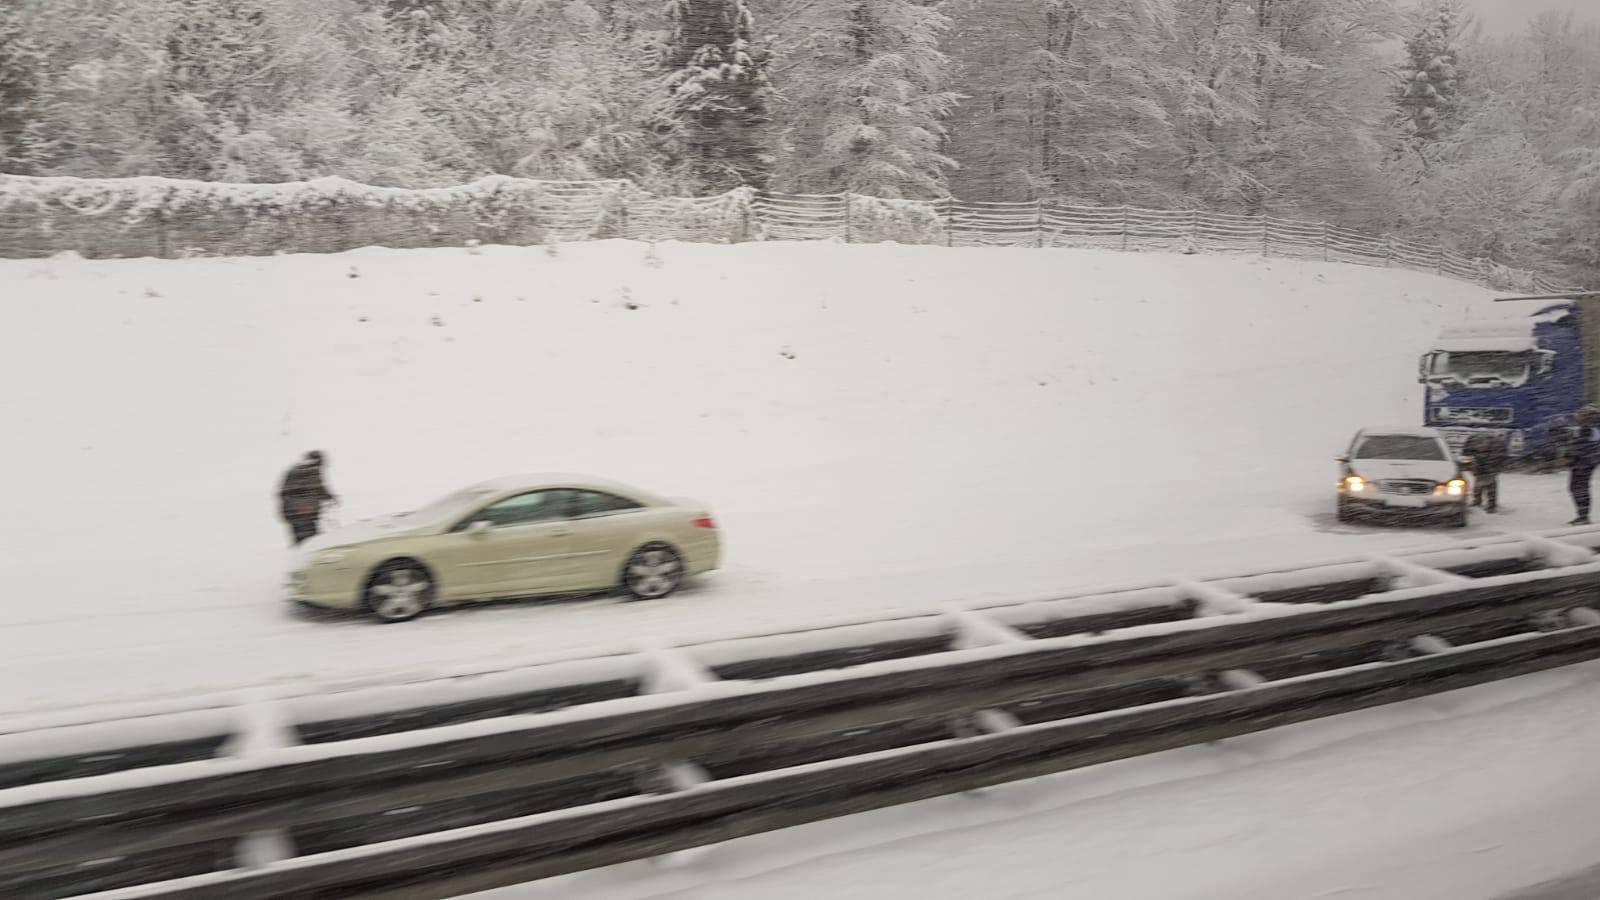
x,y
1400,446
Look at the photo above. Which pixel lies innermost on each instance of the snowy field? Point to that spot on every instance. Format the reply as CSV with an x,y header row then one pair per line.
x,y
877,428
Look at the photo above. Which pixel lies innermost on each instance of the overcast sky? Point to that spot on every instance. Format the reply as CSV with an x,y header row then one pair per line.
x,y
1508,16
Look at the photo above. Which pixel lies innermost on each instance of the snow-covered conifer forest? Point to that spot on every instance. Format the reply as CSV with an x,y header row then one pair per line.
x,y
1377,115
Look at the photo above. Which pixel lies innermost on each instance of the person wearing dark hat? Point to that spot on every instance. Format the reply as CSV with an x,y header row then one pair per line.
x,y
1488,453
302,495
1583,455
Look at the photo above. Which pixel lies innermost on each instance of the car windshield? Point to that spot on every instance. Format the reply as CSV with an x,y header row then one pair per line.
x,y
447,504
1484,366
1400,446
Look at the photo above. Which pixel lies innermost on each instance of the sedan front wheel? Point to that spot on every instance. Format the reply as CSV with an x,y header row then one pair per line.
x,y
399,591
652,572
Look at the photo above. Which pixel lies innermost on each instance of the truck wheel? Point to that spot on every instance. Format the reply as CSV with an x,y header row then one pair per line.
x,y
1346,514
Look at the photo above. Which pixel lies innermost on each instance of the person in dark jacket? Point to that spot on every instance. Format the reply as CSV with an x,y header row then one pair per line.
x,y
302,495
1583,455
1488,454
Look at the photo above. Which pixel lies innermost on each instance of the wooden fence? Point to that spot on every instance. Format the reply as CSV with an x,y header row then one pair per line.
x,y
169,218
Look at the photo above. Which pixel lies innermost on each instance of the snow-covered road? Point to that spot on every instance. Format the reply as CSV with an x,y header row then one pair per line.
x,y
878,427
1469,795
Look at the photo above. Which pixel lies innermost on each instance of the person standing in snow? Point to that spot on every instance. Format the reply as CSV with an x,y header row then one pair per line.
x,y
302,495
1583,455
1488,454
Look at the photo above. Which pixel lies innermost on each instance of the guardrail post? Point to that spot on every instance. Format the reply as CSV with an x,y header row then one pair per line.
x,y
1038,223
847,237
671,669
982,722
1583,616
970,628
1212,600
1558,554
1266,236
1388,251
1325,241
1429,644
1418,575
262,727
1124,228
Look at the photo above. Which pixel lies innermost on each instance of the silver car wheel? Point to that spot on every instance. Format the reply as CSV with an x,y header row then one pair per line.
x,y
653,573
400,593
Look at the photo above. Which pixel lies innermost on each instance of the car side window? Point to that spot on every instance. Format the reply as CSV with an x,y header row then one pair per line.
x,y
523,509
598,503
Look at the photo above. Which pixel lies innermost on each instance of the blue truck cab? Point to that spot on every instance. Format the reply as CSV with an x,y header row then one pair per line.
x,y
1518,378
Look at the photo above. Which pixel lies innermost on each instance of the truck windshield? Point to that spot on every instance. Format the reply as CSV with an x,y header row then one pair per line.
x,y
1482,367
1399,446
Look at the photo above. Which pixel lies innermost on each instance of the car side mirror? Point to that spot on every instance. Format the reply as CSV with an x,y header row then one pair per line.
x,y
478,528
1341,458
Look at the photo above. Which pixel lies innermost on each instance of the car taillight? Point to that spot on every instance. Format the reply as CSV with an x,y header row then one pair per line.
x,y
704,522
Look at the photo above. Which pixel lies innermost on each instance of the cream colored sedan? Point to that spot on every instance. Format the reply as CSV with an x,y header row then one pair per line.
x,y
512,537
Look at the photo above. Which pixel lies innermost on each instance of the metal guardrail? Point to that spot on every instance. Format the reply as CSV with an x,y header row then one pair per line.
x,y
662,751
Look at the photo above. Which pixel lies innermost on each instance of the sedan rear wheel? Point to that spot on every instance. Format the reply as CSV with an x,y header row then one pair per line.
x,y
399,591
652,572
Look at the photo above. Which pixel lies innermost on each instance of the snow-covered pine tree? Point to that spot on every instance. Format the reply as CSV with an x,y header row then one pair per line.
x,y
592,95
1317,138
1064,97
427,27
1489,193
1214,102
719,112
1431,79
1552,72
20,61
865,99
1579,236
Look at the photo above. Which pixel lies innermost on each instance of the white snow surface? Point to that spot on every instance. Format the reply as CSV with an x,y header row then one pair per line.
x,y
1463,796
879,429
